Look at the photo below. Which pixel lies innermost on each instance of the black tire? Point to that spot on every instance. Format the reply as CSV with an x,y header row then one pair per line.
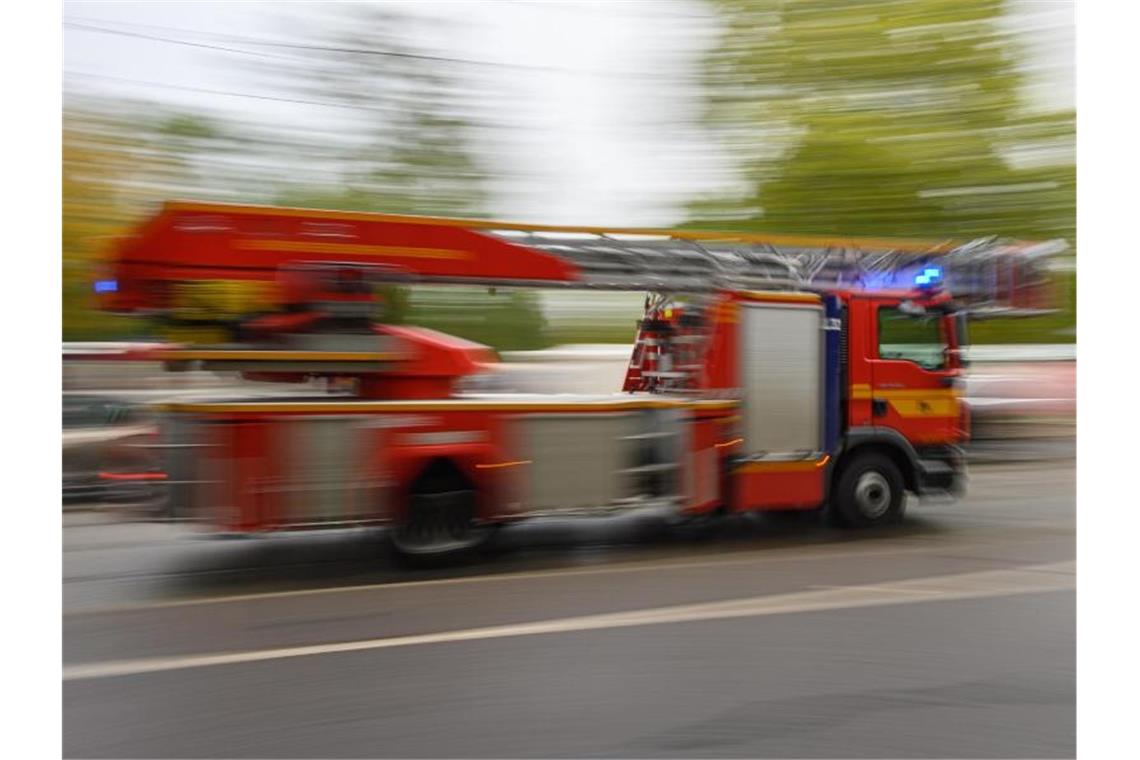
x,y
868,492
440,525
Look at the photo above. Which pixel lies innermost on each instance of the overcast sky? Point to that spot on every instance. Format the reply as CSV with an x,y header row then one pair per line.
x,y
594,151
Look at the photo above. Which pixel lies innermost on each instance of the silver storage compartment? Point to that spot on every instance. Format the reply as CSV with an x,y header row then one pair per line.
x,y
326,461
588,461
183,444
781,364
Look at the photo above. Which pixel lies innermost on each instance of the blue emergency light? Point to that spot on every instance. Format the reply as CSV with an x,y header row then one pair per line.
x,y
929,276
106,286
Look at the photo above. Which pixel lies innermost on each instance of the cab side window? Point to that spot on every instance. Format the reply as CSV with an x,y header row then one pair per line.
x,y
910,337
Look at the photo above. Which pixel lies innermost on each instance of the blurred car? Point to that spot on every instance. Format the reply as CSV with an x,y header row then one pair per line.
x,y
1019,400
107,452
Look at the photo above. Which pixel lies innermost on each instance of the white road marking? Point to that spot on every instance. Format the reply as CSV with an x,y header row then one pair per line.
x,y
784,554
762,556
991,583
884,589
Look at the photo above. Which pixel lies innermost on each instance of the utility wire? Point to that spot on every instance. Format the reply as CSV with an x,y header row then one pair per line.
x,y
234,39
155,38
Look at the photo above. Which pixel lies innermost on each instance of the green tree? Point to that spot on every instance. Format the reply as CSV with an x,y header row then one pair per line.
x,y
99,171
896,117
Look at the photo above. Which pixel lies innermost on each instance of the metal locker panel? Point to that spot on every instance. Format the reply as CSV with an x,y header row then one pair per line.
x,y
781,363
576,459
667,449
322,459
182,442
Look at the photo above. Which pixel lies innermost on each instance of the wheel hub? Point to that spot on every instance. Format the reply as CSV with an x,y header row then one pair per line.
x,y
872,494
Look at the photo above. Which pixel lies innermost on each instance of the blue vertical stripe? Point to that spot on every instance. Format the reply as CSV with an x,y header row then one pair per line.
x,y
833,324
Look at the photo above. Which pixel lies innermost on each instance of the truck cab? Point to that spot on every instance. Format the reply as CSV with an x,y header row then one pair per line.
x,y
905,366
829,384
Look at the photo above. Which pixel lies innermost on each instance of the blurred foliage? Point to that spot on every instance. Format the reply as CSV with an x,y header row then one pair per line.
x,y
412,154
101,169
898,117
570,331
507,320
1059,327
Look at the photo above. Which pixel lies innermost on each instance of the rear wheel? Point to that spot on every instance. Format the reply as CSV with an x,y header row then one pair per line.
x,y
440,522
868,492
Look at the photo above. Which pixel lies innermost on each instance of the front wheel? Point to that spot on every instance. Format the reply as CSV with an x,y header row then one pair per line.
x,y
868,492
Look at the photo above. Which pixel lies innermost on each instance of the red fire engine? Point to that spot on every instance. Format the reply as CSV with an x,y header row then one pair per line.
x,y
769,373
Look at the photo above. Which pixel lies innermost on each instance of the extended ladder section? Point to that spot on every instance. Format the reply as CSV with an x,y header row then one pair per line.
x,y
990,276
192,243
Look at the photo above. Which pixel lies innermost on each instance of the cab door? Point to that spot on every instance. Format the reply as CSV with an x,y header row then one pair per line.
x,y
914,377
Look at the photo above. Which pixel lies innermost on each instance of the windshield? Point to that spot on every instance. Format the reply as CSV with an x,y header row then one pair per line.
x,y
917,338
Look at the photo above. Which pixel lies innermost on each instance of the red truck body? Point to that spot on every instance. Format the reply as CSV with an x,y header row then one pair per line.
x,y
738,397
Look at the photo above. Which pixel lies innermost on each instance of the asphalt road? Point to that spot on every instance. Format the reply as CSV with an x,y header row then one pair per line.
x,y
952,635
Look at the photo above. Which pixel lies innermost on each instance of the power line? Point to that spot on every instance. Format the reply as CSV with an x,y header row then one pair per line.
x,y
234,39
154,38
